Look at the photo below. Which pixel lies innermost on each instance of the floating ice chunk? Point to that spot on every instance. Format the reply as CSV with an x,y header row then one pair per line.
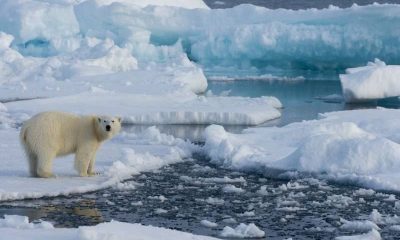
x,y
372,235
215,201
161,198
22,222
263,190
125,186
375,216
365,225
247,214
160,211
208,224
243,231
225,179
232,189
374,81
138,203
395,228
364,192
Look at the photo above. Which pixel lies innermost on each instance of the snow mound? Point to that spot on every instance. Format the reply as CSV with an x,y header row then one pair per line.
x,y
243,231
354,146
374,81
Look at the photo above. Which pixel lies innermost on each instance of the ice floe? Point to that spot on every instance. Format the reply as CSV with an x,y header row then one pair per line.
x,y
374,81
18,228
359,146
119,159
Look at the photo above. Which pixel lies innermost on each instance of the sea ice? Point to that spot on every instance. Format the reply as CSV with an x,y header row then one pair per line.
x,y
18,228
374,81
359,146
118,159
372,235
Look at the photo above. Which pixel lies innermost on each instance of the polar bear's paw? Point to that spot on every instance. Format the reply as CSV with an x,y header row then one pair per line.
x,y
46,175
91,174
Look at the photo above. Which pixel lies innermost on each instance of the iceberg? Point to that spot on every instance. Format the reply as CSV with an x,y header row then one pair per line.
x,y
220,40
374,81
359,146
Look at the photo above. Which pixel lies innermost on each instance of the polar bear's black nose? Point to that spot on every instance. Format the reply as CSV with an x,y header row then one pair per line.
x,y
108,127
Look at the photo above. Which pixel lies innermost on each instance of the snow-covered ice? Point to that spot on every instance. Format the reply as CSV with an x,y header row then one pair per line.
x,y
18,228
372,235
360,146
365,225
118,159
374,81
164,109
220,40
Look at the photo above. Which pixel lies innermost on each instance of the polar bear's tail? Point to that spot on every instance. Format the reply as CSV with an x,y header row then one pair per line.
x,y
32,158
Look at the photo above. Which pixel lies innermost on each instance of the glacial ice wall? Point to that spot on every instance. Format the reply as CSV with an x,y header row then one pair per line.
x,y
246,37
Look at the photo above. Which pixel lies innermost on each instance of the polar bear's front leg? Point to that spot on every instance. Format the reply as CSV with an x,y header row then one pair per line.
x,y
90,171
44,165
83,158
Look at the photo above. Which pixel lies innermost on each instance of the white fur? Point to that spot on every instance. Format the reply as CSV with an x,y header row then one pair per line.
x,y
48,135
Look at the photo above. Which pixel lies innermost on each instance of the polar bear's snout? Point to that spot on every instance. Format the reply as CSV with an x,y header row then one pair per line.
x,y
108,128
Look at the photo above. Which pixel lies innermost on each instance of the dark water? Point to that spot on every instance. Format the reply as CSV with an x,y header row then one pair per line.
x,y
293,4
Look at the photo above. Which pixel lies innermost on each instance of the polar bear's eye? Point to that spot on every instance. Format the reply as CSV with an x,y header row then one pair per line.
x,y
104,120
112,121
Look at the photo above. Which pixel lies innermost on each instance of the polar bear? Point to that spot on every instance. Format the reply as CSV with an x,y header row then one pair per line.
x,y
52,134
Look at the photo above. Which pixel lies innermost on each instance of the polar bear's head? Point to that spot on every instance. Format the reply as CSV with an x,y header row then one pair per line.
x,y
107,127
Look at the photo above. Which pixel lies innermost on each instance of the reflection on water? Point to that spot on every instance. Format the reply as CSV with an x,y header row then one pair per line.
x,y
192,133
302,100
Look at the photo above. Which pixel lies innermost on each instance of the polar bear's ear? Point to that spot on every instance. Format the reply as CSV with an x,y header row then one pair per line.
x,y
119,119
99,119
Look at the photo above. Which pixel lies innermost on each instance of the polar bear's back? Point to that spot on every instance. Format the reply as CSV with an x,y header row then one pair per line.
x,y
54,130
